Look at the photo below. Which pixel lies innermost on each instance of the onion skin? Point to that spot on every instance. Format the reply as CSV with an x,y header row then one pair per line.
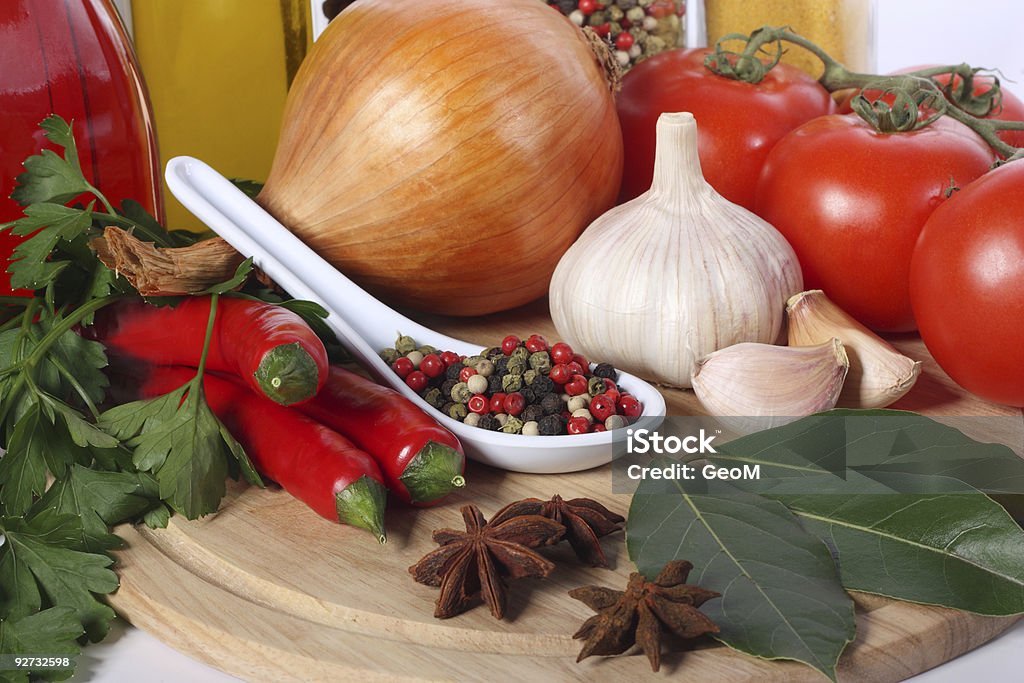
x,y
444,154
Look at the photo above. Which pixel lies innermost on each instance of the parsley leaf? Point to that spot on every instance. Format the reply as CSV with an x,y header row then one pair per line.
x,y
42,560
49,177
178,439
100,500
53,631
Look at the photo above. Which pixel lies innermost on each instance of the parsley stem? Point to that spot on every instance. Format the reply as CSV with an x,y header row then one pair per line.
x,y
99,195
214,298
19,301
77,316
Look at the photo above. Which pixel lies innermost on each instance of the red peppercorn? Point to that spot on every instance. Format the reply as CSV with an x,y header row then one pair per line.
x,y
536,343
514,403
497,402
509,344
576,369
559,374
402,367
602,29
584,363
450,358
561,353
599,428
588,7
577,386
432,365
479,404
602,407
626,24
629,406
466,373
624,40
417,381
578,425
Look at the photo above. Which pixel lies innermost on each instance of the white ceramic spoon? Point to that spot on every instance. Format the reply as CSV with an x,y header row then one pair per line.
x,y
365,325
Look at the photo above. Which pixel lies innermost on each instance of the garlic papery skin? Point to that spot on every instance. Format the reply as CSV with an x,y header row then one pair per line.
x,y
677,273
750,387
879,374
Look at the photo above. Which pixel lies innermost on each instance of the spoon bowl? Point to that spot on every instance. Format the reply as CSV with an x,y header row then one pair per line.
x,y
366,326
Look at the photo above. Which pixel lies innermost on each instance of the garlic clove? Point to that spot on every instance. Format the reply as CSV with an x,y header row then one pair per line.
x,y
752,386
879,374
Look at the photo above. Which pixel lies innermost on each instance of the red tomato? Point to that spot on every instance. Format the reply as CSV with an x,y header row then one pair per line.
x,y
738,122
852,202
1011,107
967,285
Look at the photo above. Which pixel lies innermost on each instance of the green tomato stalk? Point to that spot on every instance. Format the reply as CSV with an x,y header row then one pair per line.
x,y
913,92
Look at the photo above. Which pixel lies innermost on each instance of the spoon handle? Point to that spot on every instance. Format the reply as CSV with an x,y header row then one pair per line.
x,y
364,324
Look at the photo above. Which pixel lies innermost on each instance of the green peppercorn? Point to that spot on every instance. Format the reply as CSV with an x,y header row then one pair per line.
x,y
458,411
427,349
529,376
434,398
492,352
446,408
461,393
521,353
389,356
595,386
540,361
405,344
513,425
516,366
510,383
484,367
472,361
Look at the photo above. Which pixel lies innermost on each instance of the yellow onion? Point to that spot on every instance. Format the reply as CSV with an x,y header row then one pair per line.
x,y
445,153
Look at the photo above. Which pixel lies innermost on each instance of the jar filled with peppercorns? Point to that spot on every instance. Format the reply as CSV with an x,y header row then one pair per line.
x,y
636,29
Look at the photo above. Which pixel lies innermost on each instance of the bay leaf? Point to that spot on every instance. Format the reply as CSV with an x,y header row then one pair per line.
x,y
781,598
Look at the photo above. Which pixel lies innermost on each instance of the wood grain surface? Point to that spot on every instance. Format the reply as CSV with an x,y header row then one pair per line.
x,y
268,591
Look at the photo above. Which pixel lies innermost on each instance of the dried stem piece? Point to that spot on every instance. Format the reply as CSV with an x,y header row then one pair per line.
x,y
159,271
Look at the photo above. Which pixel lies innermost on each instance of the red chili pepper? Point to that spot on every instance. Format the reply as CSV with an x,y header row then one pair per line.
x,y
421,460
310,461
271,348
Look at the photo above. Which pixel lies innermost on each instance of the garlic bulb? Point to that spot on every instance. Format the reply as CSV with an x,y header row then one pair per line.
x,y
749,387
675,274
879,374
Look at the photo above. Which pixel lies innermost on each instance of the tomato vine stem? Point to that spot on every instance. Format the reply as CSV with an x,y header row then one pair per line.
x,y
919,100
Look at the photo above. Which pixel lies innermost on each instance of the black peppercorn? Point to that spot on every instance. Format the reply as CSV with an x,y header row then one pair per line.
x,y
542,385
493,384
447,407
501,366
434,398
531,413
552,404
529,393
489,422
453,371
550,425
607,371
447,386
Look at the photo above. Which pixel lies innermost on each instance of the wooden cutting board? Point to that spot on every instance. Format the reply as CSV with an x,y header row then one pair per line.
x,y
268,591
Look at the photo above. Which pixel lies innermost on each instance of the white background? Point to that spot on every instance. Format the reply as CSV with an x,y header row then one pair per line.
x,y
908,32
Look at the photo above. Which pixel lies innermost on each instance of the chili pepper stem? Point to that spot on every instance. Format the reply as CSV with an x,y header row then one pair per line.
x,y
435,472
361,504
287,374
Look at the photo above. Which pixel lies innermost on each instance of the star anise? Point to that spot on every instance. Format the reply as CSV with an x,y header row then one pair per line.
x,y
585,521
473,565
641,613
